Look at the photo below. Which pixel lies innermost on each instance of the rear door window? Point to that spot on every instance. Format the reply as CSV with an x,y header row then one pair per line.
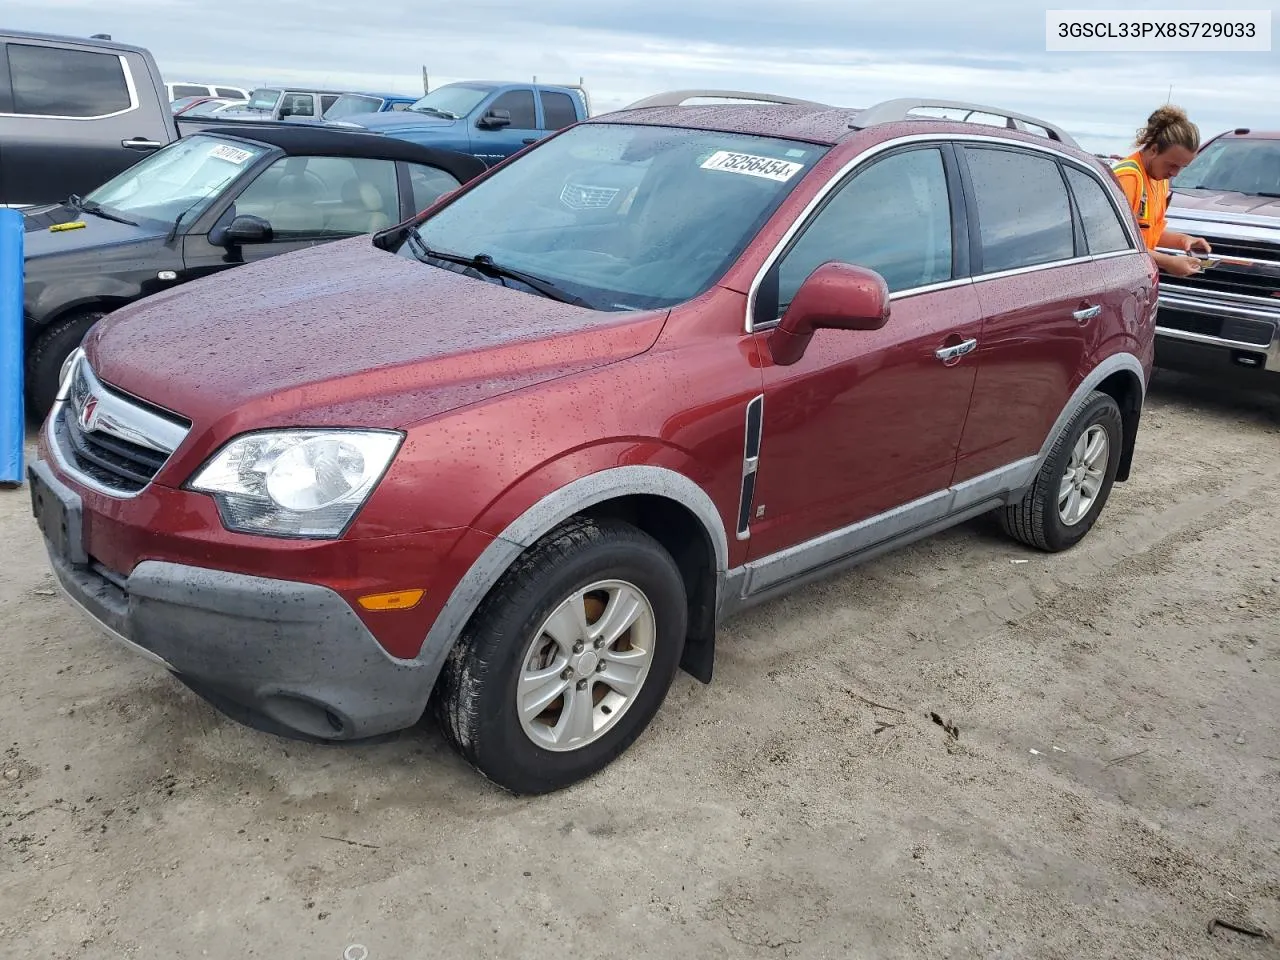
x,y
1023,210
229,92
48,81
557,110
1103,230
181,90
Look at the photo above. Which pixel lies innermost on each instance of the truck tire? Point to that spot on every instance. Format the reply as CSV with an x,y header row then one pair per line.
x,y
567,660
46,356
1075,481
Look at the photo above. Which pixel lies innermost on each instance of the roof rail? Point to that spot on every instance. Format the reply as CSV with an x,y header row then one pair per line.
x,y
676,98
893,110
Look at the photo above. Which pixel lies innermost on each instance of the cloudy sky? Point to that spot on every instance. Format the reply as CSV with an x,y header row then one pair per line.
x,y
847,52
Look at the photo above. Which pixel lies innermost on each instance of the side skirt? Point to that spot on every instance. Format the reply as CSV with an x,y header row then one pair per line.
x,y
780,573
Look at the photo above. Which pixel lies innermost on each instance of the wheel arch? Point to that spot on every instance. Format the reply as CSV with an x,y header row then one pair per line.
x,y
1121,376
1126,388
665,503
87,304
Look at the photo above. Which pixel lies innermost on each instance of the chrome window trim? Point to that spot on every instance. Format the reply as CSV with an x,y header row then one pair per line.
x,y
847,170
918,291
128,83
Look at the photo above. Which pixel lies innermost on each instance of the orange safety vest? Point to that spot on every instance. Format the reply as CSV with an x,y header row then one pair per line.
x,y
1149,199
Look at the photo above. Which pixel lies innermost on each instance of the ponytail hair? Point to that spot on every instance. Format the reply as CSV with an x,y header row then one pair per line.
x,y
1169,127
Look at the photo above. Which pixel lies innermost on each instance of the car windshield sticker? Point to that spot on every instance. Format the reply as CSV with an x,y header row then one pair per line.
x,y
752,166
233,154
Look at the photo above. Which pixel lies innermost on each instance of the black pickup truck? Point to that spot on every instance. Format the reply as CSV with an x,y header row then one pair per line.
x,y
74,113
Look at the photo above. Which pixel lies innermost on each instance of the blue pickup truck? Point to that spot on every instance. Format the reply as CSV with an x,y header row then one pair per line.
x,y
489,120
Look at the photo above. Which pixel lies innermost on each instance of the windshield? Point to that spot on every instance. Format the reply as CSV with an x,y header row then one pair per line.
x,y
1239,166
454,102
624,217
262,100
183,178
350,103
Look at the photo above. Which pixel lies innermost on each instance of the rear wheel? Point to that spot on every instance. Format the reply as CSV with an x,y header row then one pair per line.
x,y
46,356
569,658
1075,481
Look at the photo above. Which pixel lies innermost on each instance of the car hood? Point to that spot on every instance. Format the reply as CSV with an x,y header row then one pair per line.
x,y
1225,205
40,242
393,121
347,334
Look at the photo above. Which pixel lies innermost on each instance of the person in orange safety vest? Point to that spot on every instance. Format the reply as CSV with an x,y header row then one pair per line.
x,y
1166,144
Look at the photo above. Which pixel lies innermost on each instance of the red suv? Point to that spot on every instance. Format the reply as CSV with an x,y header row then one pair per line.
x,y
518,458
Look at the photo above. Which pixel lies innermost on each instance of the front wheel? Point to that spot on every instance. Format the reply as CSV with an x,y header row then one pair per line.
x,y
1073,485
569,658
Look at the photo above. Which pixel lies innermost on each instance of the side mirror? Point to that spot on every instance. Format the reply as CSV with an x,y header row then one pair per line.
x,y
496,119
243,229
836,296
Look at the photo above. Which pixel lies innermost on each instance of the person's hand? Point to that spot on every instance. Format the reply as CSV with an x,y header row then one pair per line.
x,y
1182,266
1198,245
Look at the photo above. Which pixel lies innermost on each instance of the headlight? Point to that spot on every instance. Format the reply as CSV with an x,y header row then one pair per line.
x,y
296,483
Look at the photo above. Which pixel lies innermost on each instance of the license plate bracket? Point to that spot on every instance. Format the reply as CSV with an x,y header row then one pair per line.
x,y
59,515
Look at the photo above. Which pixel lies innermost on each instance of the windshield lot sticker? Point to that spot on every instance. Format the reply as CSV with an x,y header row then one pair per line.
x,y
233,154
752,166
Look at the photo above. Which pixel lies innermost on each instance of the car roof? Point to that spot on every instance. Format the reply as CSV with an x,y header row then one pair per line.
x,y
381,96
816,124
63,38
303,140
1241,133
496,84
297,88
820,123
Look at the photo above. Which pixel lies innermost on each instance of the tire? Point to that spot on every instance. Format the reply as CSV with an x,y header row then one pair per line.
x,y
45,358
476,696
1038,520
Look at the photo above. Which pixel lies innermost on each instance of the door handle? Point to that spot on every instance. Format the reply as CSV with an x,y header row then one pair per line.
x,y
530,140
137,143
957,351
1087,313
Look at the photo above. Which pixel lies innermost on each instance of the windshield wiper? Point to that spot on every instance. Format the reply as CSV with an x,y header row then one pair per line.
x,y
1266,193
437,111
483,263
92,206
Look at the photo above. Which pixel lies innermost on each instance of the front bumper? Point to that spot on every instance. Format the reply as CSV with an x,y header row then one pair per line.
x,y
1244,330
285,657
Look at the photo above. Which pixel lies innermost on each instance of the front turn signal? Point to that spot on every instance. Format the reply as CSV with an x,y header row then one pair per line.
x,y
399,600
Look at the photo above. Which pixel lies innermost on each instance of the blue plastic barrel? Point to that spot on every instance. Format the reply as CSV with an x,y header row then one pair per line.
x,y
11,366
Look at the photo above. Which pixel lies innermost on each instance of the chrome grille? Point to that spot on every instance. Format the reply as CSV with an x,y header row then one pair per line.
x,y
1259,277
110,441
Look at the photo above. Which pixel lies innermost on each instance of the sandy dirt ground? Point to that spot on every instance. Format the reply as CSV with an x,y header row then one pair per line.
x,y
962,750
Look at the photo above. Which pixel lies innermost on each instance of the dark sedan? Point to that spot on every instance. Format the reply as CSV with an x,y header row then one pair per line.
x,y
205,203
